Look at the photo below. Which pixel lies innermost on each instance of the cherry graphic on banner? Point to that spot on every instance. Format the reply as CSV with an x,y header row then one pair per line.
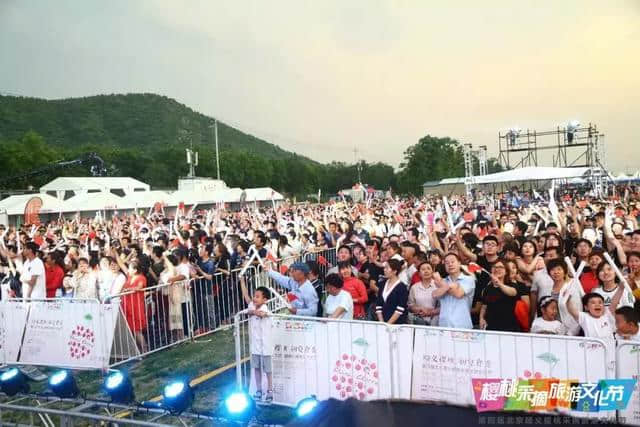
x,y
354,375
81,342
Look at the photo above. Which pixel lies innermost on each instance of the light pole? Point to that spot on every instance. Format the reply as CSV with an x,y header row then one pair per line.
x,y
215,136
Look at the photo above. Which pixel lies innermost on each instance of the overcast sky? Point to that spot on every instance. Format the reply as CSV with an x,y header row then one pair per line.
x,y
324,77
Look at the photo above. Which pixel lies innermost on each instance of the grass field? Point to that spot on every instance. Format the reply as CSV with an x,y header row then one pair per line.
x,y
189,360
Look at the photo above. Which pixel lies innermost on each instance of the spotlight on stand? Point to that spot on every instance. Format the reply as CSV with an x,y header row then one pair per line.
x,y
117,385
572,127
306,406
177,396
238,406
13,381
63,385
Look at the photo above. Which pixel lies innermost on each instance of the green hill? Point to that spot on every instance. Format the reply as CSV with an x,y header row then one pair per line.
x,y
139,120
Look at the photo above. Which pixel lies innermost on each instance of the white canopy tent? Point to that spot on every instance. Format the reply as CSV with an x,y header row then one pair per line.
x,y
59,187
91,202
15,205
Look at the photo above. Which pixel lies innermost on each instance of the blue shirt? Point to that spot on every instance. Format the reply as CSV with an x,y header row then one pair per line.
x,y
456,312
306,302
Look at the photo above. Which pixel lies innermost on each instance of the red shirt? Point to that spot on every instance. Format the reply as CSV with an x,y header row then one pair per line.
x,y
53,279
358,292
589,281
415,278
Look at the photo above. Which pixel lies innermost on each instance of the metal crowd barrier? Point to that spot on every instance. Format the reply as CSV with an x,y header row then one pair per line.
x,y
327,358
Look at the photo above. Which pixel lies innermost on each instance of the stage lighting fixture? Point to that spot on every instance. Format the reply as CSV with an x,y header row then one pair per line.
x,y
306,406
177,396
63,385
571,129
13,381
238,405
119,388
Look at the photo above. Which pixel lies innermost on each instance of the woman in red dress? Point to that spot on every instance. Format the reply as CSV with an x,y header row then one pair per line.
x,y
133,303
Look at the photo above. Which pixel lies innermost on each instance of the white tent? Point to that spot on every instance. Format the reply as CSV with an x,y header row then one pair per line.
x,y
80,185
96,202
262,194
531,174
14,205
146,199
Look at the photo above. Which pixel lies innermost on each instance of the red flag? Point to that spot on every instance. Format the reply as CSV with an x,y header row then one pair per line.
x,y
283,269
291,297
270,257
474,268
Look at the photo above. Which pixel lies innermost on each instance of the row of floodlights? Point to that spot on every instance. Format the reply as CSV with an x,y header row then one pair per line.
x,y
177,396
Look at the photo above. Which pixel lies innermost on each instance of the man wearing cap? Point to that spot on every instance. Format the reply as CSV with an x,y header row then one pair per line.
x,y
303,297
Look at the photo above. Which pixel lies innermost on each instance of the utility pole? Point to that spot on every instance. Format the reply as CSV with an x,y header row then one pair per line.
x,y
215,136
358,165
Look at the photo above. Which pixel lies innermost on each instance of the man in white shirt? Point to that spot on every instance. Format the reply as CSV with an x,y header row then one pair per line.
x,y
32,275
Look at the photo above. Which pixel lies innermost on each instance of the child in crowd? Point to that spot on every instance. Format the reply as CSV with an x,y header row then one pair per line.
x,y
260,338
546,322
598,321
627,324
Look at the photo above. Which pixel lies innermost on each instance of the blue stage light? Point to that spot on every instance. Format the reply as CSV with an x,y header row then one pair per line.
x,y
63,385
238,405
306,406
13,381
119,388
177,396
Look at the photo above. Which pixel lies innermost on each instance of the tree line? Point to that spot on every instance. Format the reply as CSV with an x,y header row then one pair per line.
x,y
160,166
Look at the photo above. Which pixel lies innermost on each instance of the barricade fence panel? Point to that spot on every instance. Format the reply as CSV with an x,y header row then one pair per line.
x,y
370,360
68,333
339,359
152,319
628,366
445,361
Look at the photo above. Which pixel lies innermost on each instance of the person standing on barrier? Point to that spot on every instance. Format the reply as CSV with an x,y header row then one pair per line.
x,y
455,293
302,295
391,305
260,338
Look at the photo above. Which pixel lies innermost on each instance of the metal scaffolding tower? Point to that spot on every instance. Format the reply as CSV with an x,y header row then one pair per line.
x,y
482,159
468,168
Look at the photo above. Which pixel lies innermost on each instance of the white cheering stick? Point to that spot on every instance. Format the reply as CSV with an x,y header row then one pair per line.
x,y
447,209
618,272
576,275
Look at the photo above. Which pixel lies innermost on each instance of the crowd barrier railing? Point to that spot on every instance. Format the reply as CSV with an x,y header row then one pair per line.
x,y
371,360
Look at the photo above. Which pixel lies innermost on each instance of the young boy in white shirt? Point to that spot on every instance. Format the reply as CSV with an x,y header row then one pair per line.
x,y
260,339
598,321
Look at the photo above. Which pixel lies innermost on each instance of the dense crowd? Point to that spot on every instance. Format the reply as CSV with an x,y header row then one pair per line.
x,y
567,264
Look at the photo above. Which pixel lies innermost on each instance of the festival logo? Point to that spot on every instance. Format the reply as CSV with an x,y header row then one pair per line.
x,y
550,394
354,375
81,341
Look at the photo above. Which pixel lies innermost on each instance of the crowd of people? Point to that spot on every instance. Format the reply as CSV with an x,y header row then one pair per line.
x,y
565,264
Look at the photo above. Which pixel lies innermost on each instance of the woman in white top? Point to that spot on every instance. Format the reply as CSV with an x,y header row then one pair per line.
x,y
339,304
422,306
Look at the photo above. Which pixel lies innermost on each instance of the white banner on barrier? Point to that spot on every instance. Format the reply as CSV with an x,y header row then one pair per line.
x,y
68,333
445,362
337,359
628,366
14,316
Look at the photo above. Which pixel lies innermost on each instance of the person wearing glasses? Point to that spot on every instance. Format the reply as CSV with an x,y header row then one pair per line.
x,y
499,300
